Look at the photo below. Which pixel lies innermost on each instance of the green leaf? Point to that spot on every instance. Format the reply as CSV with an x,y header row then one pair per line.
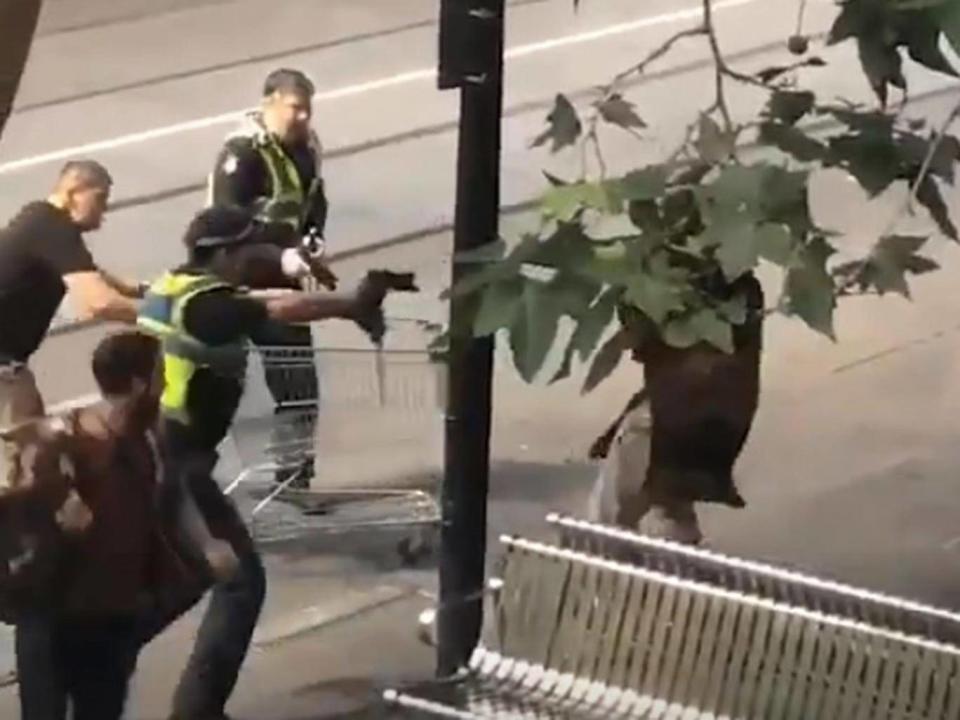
x,y
892,258
921,33
792,141
870,157
775,244
645,214
572,294
646,184
503,269
489,252
656,296
734,310
537,322
881,64
563,126
948,18
618,111
768,75
713,144
607,265
592,323
809,291
788,106
498,306
566,366
565,202
553,179
738,250
680,333
739,255
887,265
704,325
712,328
606,361
847,24
928,195
590,328
784,199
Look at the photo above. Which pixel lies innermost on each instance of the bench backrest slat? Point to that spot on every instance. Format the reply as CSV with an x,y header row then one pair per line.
x,y
762,580
701,646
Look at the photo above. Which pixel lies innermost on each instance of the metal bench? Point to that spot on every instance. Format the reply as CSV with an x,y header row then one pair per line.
x,y
587,637
754,578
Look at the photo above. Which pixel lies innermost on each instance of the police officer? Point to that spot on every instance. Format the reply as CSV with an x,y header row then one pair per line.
x,y
270,166
204,322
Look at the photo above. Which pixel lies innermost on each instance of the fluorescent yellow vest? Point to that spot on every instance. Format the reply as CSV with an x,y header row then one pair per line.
x,y
161,315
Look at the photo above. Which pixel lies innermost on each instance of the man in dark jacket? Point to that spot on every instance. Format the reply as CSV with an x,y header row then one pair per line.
x,y
77,643
271,166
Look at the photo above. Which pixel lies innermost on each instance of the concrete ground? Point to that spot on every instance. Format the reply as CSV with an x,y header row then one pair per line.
x,y
851,470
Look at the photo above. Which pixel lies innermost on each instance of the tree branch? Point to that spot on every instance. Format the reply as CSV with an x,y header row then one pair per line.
x,y
935,144
800,13
720,67
641,67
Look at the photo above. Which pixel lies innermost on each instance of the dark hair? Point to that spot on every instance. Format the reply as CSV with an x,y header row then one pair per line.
x,y
121,358
285,81
219,221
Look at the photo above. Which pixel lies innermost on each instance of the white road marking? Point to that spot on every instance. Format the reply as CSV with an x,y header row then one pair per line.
x,y
359,88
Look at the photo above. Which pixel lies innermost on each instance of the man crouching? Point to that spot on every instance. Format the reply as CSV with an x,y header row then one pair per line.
x,y
78,648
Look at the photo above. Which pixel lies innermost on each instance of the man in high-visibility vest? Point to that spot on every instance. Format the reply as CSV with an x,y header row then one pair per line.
x,y
205,321
270,166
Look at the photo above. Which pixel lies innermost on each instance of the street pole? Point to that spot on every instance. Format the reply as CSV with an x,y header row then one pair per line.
x,y
471,58
18,22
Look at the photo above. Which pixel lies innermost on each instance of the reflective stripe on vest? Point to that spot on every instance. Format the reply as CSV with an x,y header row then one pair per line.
x,y
287,199
161,315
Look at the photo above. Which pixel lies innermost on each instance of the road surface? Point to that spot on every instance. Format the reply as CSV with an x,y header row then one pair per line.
x,y
852,468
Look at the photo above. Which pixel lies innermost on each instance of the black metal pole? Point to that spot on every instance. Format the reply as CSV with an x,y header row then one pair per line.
x,y
18,23
467,453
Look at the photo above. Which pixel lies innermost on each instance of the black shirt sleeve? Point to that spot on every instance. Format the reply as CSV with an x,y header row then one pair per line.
x,y
59,244
239,178
223,316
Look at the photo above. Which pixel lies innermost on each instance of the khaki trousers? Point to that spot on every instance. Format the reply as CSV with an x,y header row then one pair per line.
x,y
620,496
20,400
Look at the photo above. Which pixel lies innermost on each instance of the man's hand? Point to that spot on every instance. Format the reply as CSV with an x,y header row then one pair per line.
x,y
364,306
371,293
96,299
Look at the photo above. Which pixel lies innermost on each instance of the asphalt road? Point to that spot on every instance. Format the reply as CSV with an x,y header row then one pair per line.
x,y
852,468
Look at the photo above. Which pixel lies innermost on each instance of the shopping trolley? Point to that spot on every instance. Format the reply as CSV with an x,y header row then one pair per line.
x,y
357,424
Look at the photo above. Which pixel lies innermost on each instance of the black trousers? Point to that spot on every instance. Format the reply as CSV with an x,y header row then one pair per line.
x,y
82,665
226,630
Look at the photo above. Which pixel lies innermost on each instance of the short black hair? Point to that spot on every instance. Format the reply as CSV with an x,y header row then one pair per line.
x,y
88,173
286,80
123,357
216,221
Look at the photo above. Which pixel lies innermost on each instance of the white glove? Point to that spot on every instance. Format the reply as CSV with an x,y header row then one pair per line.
x,y
293,265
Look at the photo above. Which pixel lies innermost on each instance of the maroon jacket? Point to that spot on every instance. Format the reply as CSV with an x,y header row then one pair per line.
x,y
90,496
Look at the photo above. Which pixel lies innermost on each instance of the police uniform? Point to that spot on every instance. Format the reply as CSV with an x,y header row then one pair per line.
x,y
280,184
204,324
283,187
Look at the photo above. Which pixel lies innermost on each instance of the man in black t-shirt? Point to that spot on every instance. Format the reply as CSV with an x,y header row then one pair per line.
x,y
43,258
